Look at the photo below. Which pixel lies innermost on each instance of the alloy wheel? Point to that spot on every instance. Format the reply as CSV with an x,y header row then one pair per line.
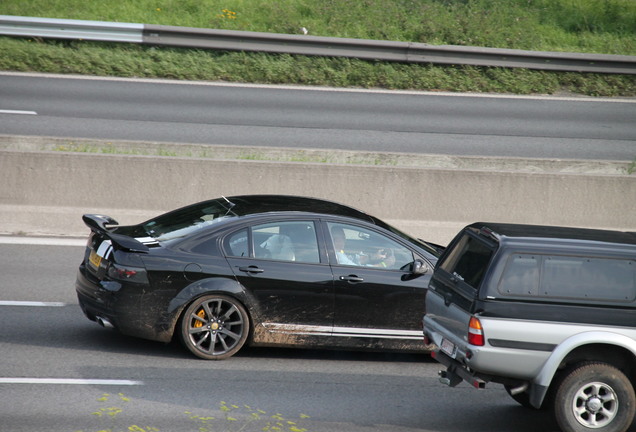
x,y
215,327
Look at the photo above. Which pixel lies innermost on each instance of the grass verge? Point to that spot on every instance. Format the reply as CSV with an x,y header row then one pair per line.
x,y
317,156
595,26
184,64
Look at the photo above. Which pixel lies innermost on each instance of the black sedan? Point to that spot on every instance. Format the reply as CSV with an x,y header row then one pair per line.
x,y
269,270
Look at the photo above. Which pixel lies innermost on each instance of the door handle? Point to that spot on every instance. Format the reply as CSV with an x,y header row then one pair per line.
x,y
251,269
351,278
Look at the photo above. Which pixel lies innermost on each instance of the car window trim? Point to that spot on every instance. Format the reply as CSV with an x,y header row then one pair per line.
x,y
377,230
249,225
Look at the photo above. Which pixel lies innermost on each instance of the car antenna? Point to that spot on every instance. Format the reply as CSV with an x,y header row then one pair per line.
x,y
229,209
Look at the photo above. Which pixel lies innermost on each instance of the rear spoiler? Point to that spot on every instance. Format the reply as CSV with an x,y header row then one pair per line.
x,y
97,224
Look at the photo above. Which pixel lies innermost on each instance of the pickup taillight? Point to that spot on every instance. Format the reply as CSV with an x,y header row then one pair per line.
x,y
475,333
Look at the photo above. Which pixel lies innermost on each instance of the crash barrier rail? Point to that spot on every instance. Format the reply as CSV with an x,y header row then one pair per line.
x,y
230,40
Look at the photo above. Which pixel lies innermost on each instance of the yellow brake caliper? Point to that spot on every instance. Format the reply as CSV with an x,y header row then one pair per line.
x,y
197,323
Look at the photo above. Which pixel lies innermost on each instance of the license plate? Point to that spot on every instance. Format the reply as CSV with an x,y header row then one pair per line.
x,y
94,259
449,348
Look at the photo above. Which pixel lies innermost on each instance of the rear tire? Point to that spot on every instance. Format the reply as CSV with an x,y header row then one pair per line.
x,y
214,327
594,397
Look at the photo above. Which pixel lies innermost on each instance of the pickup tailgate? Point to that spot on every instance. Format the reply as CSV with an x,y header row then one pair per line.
x,y
446,320
453,291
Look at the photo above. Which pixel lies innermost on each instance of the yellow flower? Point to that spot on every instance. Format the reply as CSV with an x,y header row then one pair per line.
x,y
227,14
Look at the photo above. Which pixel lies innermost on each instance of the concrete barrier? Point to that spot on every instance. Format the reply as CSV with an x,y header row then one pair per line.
x,y
44,191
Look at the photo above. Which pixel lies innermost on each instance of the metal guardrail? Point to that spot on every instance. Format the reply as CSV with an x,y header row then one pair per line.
x,y
229,40
70,29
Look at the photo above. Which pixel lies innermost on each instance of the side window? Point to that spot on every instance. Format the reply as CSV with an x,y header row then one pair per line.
x,y
236,244
286,241
569,277
521,275
356,246
468,260
588,278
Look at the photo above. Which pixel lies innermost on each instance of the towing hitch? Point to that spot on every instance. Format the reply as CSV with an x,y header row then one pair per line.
x,y
455,373
449,378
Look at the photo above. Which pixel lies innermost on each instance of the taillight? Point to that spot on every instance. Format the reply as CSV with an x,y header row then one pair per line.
x,y
475,333
127,273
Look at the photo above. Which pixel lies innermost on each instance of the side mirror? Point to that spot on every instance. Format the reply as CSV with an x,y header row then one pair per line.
x,y
419,267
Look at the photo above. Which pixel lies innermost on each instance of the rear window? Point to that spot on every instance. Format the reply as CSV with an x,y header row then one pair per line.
x,y
569,277
468,260
184,221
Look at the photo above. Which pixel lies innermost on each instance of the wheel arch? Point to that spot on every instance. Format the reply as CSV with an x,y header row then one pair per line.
x,y
222,286
597,346
616,355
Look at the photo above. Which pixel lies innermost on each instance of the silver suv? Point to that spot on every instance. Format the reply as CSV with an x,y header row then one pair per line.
x,y
549,312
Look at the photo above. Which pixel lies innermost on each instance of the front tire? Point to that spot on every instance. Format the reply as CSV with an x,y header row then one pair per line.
x,y
215,327
594,397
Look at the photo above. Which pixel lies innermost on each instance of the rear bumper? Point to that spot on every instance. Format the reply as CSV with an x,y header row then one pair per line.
x,y
93,300
460,369
456,371
120,305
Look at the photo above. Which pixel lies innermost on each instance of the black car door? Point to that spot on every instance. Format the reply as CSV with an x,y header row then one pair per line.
x,y
376,295
284,271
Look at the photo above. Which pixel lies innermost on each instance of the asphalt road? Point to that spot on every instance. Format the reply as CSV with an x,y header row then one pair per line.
x,y
57,369
250,115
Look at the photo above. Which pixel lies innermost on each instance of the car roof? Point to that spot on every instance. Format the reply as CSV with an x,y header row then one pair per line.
x,y
174,225
553,232
243,205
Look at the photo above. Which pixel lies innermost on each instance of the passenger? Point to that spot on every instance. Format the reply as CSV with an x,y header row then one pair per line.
x,y
382,257
339,239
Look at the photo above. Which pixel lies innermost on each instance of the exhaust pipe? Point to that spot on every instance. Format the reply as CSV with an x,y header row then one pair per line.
x,y
104,322
519,389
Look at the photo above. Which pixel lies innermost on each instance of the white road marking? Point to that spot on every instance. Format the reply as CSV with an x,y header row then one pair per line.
x,y
72,381
18,112
31,303
45,241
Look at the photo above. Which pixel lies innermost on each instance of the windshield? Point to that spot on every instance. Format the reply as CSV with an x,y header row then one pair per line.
x,y
186,220
435,252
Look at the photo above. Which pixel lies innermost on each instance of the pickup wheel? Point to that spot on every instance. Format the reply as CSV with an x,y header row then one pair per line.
x,y
594,397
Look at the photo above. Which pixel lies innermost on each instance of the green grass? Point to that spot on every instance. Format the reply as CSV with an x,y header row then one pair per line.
x,y
229,418
594,26
604,26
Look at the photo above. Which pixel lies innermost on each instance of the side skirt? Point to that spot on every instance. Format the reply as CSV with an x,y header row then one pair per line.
x,y
275,334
